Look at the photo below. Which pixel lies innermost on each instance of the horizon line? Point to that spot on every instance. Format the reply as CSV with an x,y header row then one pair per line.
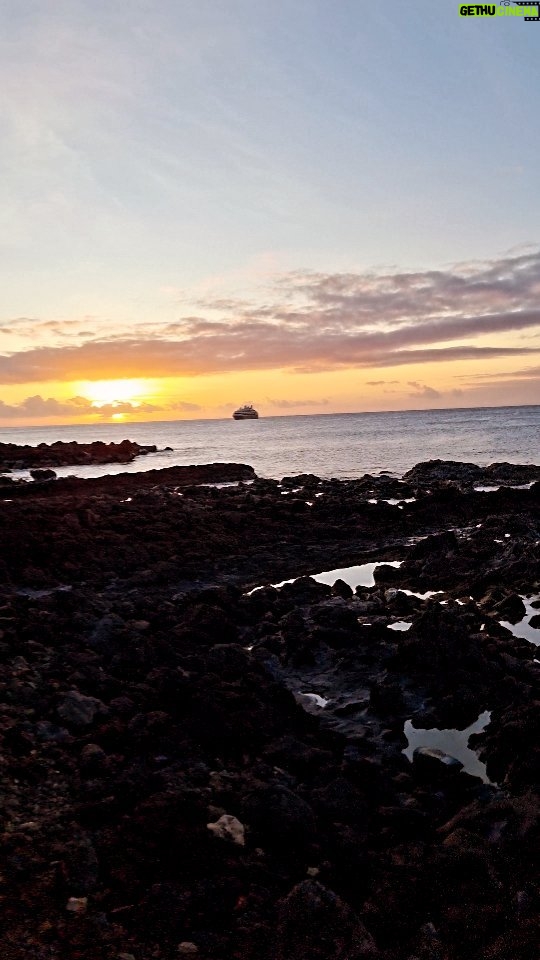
x,y
274,416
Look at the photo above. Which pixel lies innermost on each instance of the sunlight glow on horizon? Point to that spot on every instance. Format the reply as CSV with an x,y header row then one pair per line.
x,y
102,392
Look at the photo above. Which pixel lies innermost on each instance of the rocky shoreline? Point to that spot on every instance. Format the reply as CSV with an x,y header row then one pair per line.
x,y
67,454
197,763
124,484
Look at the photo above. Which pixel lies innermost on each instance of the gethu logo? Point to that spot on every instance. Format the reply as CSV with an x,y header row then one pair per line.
x,y
522,8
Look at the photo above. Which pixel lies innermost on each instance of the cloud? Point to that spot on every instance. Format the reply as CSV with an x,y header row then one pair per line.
x,y
290,404
529,373
379,383
183,405
318,322
40,407
423,390
107,410
37,406
261,347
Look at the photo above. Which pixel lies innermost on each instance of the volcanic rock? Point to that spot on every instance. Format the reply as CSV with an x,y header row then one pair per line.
x,y
314,923
79,710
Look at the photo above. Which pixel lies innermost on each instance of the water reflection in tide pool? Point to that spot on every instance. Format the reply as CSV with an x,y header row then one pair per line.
x,y
421,596
452,742
360,575
39,594
523,629
315,699
489,488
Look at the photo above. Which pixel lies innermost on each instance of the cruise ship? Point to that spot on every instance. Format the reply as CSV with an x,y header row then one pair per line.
x,y
247,412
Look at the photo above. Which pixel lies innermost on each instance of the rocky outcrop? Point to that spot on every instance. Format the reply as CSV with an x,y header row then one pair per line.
x,y
313,923
67,454
469,473
125,484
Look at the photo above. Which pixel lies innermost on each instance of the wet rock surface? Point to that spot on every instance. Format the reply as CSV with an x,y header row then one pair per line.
x,y
188,767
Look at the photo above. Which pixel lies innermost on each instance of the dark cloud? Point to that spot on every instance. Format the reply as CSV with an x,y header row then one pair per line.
x,y
318,322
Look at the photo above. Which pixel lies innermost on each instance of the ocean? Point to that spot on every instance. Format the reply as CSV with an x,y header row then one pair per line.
x,y
330,445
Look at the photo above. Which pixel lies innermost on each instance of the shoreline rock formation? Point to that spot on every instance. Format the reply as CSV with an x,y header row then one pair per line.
x,y
124,483
193,766
71,453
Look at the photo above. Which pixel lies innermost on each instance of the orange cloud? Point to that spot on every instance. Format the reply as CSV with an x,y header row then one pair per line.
x,y
39,407
292,404
318,322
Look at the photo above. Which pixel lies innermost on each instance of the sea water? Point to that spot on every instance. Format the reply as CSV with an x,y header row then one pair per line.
x,y
329,445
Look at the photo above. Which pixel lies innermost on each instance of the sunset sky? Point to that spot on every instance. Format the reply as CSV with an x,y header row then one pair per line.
x,y
308,205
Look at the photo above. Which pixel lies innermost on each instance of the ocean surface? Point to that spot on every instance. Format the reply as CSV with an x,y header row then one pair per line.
x,y
331,445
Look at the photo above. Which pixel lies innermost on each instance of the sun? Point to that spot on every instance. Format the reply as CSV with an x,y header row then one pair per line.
x,y
101,392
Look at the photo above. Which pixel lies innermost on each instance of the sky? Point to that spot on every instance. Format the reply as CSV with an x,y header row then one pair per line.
x,y
311,206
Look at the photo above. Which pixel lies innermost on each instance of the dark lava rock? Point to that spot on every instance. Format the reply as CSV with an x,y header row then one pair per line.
x,y
133,484
81,866
60,454
342,589
93,758
429,761
107,632
43,474
430,470
438,543
229,660
386,574
513,473
301,480
78,710
209,624
51,733
511,608
341,801
512,746
386,698
112,803
335,614
280,817
314,923
305,590
295,755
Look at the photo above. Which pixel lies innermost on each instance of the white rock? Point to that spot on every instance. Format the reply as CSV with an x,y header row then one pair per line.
x,y
228,828
77,904
187,949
